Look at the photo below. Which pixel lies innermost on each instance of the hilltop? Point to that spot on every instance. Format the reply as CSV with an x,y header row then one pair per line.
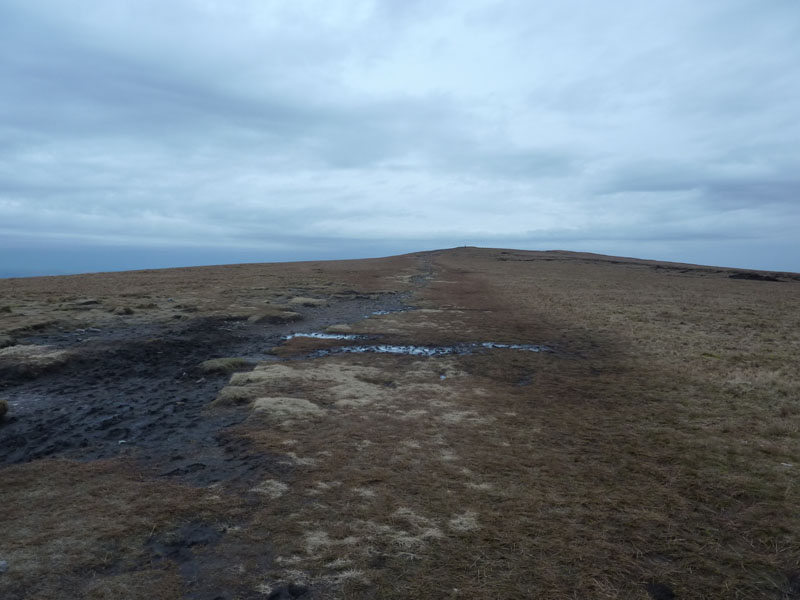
x,y
464,423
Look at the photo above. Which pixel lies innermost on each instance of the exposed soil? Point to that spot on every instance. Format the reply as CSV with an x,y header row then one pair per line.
x,y
137,392
753,277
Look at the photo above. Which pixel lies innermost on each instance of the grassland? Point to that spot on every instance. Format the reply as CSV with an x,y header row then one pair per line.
x,y
653,454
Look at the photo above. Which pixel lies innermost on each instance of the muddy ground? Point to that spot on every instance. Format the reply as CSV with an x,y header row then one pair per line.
x,y
138,392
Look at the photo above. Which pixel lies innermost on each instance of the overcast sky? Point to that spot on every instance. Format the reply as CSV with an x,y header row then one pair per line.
x,y
147,133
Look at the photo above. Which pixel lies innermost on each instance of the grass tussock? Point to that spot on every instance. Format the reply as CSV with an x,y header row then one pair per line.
x,y
284,408
233,395
225,365
30,360
275,316
340,328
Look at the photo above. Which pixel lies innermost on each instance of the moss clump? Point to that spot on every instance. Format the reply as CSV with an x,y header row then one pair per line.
x,y
3,408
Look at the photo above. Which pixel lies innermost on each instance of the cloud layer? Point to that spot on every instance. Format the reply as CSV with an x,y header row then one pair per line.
x,y
269,130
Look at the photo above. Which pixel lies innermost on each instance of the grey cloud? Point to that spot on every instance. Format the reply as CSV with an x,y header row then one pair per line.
x,y
722,186
655,176
65,88
745,193
312,125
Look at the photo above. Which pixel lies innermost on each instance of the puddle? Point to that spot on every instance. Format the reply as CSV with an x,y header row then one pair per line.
x,y
410,350
391,349
528,347
326,336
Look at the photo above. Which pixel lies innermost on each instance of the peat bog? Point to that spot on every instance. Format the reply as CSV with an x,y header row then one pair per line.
x,y
466,423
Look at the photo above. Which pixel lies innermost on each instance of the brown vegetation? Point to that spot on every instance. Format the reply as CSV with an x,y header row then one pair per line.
x,y
68,524
224,365
653,454
76,301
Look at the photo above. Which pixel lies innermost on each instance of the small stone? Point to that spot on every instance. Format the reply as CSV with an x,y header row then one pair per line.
x,y
3,566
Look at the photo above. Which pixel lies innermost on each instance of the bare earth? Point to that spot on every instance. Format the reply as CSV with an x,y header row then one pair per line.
x,y
476,423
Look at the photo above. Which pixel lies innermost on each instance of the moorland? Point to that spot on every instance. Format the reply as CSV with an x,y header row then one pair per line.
x,y
464,423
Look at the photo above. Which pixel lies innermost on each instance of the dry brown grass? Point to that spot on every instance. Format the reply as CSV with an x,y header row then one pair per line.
x,y
656,449
620,465
74,301
31,360
224,365
70,528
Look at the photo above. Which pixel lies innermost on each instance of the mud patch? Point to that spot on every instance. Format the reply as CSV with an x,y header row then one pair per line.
x,y
288,591
750,276
138,391
659,591
202,554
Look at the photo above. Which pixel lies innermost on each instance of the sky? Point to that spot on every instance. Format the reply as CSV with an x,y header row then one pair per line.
x,y
142,133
